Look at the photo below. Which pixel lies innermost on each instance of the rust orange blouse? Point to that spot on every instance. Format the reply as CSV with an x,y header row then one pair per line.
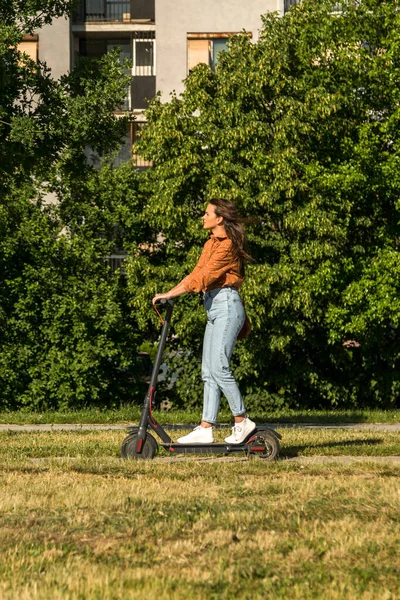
x,y
216,267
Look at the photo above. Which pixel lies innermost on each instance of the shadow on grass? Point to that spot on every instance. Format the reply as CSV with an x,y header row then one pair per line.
x,y
297,450
320,417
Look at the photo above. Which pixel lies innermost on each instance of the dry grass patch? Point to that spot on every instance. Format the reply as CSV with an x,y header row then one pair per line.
x,y
76,522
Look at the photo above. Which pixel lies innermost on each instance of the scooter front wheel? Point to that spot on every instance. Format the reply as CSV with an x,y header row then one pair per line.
x,y
149,448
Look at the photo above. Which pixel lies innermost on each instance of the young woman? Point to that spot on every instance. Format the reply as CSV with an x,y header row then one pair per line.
x,y
219,274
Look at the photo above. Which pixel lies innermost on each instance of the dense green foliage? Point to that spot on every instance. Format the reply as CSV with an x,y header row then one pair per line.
x,y
301,129
67,336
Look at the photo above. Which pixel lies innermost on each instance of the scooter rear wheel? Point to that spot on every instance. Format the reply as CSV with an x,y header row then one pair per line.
x,y
265,446
149,448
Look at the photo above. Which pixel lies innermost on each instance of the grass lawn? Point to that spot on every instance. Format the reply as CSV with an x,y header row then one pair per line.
x,y
131,414
77,522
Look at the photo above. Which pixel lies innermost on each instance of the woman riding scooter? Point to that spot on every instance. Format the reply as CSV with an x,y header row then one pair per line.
x,y
219,274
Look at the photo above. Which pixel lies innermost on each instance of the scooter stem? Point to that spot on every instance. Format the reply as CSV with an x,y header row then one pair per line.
x,y
149,399
162,344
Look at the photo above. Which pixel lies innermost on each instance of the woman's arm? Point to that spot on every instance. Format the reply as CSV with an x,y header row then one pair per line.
x,y
180,289
173,293
212,264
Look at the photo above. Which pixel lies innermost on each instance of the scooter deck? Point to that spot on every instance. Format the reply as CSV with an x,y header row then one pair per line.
x,y
261,427
214,448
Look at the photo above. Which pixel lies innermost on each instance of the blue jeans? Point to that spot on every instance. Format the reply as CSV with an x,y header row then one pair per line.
x,y
225,318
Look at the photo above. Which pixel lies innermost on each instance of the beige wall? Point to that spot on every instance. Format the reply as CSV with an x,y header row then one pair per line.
x,y
176,18
55,46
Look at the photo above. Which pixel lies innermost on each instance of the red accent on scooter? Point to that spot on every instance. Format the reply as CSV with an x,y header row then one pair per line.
x,y
139,447
257,448
152,390
161,319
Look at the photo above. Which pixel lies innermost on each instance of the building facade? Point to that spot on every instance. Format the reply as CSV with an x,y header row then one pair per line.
x,y
163,38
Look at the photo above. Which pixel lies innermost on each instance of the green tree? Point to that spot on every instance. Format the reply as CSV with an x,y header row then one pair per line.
x,y
67,333
301,129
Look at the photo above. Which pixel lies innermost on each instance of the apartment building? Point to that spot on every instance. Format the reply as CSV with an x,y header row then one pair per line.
x,y
163,38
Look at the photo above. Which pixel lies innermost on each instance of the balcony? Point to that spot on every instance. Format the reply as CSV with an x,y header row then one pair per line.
x,y
114,11
290,3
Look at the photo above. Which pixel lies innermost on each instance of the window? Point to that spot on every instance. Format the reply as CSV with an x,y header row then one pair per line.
x,y
217,46
140,46
30,46
92,47
290,3
205,48
144,68
144,55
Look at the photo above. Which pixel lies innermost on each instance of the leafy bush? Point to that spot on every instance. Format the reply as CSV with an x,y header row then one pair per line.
x,y
68,335
301,130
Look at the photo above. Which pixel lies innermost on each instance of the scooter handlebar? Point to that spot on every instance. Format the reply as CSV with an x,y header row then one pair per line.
x,y
164,301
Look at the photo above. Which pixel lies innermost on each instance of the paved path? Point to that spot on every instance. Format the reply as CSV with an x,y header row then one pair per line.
x,y
124,426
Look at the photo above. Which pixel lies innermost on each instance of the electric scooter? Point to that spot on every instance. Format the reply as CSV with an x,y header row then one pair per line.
x,y
140,444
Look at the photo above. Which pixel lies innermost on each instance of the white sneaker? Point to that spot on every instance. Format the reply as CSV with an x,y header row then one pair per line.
x,y
199,435
241,431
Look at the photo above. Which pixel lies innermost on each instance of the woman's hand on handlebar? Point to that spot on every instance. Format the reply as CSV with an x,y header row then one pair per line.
x,y
173,293
158,297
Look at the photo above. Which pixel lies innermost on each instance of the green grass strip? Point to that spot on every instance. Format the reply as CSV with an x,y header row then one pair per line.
x,y
131,414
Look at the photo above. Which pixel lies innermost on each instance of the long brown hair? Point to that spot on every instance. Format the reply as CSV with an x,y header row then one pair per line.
x,y
233,224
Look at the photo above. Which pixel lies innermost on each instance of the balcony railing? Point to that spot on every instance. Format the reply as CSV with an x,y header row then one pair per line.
x,y
290,3
119,11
